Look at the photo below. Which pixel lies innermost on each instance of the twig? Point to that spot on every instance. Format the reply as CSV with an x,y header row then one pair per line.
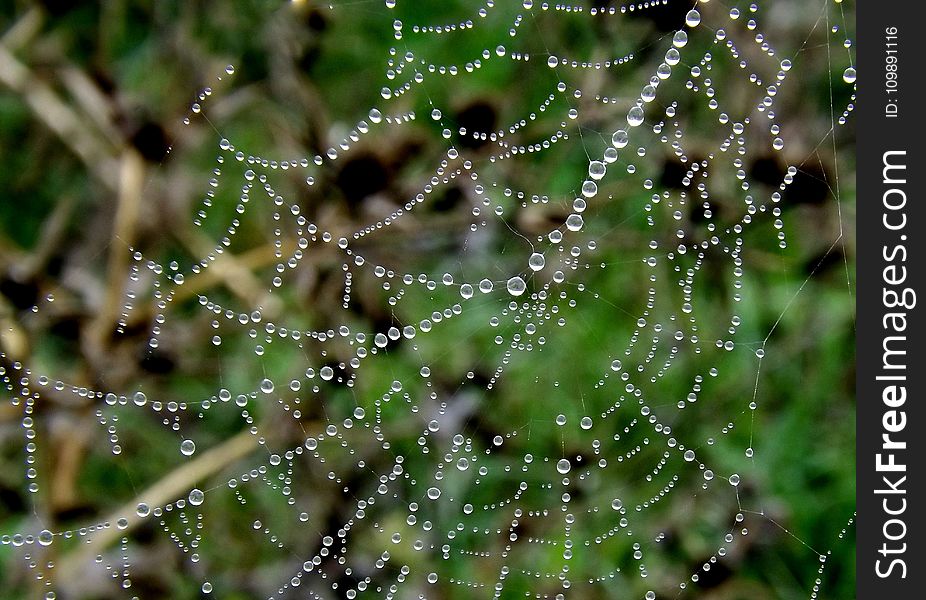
x,y
165,490
234,273
59,118
24,29
131,182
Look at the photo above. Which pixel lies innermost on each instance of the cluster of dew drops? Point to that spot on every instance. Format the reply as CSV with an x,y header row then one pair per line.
x,y
535,302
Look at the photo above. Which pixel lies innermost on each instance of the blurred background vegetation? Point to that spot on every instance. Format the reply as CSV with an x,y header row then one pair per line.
x,y
95,160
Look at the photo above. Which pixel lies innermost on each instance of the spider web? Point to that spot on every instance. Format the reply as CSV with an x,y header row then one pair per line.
x,y
412,457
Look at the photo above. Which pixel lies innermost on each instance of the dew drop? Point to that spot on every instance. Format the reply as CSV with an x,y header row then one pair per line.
x,y
620,139
693,18
516,286
197,496
574,222
187,447
536,261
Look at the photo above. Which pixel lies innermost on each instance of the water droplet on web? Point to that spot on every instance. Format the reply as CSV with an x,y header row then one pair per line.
x,y
187,447
516,286
563,466
536,261
635,116
849,75
586,423
196,496
734,479
620,139
266,386
433,493
589,188
139,399
46,537
648,93
596,169
574,222
230,69
485,286
692,18
142,510
617,504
